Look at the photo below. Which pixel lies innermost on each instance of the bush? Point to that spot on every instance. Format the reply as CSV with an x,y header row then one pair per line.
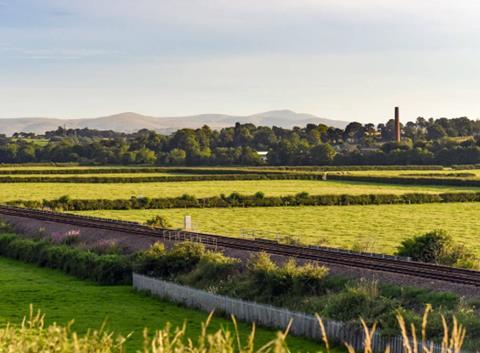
x,y
355,303
157,262
437,247
212,271
270,280
148,261
158,222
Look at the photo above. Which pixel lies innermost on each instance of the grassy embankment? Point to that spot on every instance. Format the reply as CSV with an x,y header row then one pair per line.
x,y
65,298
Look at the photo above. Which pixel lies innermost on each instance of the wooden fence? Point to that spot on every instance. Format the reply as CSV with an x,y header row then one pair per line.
x,y
269,316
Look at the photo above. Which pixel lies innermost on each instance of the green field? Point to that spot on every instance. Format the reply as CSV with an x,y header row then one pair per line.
x,y
40,191
384,226
438,173
64,298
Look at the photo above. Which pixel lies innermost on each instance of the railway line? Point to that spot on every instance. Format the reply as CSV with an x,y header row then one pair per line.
x,y
326,256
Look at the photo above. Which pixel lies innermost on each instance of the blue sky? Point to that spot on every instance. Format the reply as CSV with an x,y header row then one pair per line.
x,y
343,59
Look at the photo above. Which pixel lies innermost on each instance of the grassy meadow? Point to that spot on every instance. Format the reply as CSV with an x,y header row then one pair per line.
x,y
49,191
430,173
382,227
64,298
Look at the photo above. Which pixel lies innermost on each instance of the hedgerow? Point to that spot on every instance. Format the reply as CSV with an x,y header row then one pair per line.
x,y
104,269
239,200
132,170
55,169
156,179
407,180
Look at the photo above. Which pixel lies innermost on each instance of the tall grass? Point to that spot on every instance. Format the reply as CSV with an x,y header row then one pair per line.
x,y
33,336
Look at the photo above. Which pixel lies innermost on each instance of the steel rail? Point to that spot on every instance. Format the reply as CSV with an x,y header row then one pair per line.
x,y
323,255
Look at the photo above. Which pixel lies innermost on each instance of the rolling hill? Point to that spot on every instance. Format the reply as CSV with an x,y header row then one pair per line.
x,y
130,122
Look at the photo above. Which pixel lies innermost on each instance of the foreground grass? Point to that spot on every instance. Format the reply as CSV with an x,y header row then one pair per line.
x,y
49,191
383,227
65,298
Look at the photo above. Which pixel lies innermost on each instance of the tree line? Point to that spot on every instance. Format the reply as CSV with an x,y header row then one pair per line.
x,y
425,141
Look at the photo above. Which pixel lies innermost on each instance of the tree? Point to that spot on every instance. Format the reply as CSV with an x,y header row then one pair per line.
x,y
436,132
354,131
145,156
177,156
322,154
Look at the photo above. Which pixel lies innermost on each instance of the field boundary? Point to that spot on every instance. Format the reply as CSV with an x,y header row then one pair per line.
x,y
445,181
238,200
260,175
302,324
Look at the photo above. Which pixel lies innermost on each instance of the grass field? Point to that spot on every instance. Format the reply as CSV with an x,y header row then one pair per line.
x,y
64,298
438,173
40,191
341,226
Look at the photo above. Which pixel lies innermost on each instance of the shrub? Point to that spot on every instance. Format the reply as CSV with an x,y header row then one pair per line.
x,y
148,261
158,222
157,262
270,280
437,247
212,270
355,303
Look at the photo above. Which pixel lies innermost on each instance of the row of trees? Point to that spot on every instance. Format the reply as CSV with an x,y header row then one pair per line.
x,y
424,142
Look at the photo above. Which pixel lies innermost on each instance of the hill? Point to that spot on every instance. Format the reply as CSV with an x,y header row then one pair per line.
x,y
130,122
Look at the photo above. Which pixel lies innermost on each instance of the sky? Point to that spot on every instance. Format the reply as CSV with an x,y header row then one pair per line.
x,y
340,59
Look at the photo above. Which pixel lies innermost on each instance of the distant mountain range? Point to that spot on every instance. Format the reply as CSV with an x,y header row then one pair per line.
x,y
131,122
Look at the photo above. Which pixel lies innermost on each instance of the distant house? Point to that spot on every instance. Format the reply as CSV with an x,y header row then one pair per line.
x,y
262,155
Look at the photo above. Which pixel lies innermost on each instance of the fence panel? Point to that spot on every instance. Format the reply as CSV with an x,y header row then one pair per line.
x,y
266,315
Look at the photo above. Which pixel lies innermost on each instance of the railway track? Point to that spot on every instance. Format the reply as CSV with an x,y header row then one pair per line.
x,y
324,255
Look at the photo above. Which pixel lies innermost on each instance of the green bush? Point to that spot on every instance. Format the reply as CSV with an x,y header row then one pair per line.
x,y
437,247
270,280
157,262
158,222
213,269
148,261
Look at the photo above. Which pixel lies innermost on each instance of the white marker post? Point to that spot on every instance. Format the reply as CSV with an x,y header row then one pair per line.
x,y
187,223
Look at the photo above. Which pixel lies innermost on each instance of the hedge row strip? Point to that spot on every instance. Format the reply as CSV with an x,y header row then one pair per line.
x,y
133,170
214,170
446,181
84,264
155,179
237,200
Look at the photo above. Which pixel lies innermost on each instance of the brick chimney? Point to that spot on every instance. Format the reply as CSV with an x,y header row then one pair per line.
x,y
397,124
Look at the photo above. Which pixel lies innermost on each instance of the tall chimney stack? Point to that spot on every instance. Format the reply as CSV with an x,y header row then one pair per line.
x,y
397,124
